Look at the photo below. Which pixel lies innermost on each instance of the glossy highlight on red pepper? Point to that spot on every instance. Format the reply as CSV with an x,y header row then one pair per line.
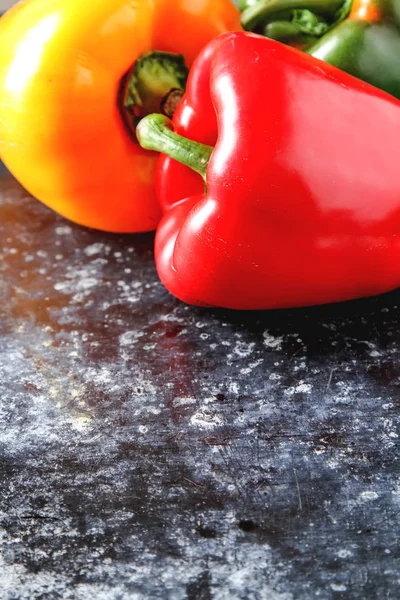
x,y
302,205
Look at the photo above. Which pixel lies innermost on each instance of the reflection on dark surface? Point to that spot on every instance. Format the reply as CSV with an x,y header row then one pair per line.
x,y
163,449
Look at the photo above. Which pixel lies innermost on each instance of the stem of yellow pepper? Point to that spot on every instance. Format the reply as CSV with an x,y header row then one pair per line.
x,y
155,83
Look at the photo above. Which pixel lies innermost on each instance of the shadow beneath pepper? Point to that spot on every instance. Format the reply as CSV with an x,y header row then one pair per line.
x,y
366,319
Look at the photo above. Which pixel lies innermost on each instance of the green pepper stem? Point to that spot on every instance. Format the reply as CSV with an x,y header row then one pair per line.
x,y
155,132
288,33
266,9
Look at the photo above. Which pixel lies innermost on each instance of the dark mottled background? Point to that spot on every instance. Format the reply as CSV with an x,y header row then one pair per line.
x,y
153,450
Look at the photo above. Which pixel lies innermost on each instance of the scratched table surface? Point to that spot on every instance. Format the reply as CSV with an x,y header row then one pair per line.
x,y
151,450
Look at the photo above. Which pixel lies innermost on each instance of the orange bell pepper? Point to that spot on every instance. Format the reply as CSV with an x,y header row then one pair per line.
x,y
63,131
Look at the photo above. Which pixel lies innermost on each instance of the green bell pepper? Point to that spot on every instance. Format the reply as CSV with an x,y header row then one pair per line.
x,y
361,37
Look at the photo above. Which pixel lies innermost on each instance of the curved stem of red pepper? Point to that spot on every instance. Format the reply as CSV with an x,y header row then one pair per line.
x,y
155,132
266,9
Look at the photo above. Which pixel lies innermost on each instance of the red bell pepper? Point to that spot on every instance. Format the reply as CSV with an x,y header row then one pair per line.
x,y
302,200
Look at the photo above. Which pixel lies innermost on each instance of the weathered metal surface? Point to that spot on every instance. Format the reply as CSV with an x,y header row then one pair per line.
x,y
153,450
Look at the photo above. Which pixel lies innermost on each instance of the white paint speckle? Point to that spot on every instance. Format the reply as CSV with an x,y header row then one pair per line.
x,y
251,367
130,337
373,353
233,387
183,401
367,496
244,349
63,230
206,419
94,249
301,388
80,422
272,342
344,553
